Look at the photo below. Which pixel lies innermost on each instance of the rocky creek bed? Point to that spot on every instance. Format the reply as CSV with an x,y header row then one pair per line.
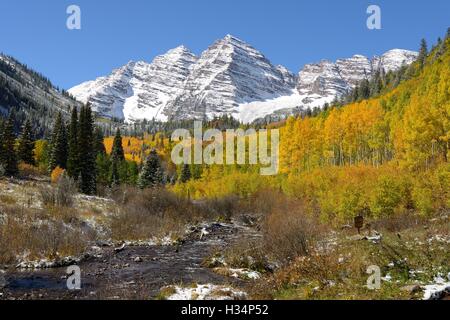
x,y
134,272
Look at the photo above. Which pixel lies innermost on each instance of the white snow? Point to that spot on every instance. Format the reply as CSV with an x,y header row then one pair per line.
x,y
435,290
245,274
249,112
207,292
230,77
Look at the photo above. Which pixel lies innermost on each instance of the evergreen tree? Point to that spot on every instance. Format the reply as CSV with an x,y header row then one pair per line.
x,y
376,84
103,165
73,158
115,177
99,141
185,173
423,52
8,157
86,143
152,173
58,153
133,173
117,153
25,148
364,89
355,94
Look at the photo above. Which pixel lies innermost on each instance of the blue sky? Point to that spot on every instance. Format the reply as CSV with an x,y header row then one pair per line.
x,y
288,32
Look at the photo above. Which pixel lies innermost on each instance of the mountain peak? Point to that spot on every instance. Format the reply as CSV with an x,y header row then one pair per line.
x,y
182,49
230,37
230,77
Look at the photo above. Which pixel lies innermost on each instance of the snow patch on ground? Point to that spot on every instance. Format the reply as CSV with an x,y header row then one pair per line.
x,y
47,263
155,241
436,290
245,274
207,292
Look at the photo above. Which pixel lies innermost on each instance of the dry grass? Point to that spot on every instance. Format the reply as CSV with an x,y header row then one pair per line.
x,y
61,194
6,199
39,234
413,255
287,233
28,171
144,214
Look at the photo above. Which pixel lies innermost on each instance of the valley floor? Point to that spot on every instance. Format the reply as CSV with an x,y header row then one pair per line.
x,y
231,259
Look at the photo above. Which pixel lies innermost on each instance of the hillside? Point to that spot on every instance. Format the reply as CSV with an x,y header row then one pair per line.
x,y
31,96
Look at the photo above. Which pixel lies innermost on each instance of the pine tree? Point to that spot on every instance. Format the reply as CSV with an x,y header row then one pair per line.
x,y
423,52
25,149
99,141
8,140
73,158
364,89
117,153
103,166
185,173
115,177
152,173
58,151
86,143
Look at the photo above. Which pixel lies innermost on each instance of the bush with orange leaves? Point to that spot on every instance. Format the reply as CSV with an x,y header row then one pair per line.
x,y
56,174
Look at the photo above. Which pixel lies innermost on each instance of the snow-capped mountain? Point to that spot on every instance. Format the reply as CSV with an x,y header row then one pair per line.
x,y
394,59
324,81
139,90
227,74
230,77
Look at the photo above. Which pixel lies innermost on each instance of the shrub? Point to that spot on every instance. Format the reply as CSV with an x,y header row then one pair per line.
x,y
388,195
56,174
28,171
144,214
50,238
61,194
223,207
289,232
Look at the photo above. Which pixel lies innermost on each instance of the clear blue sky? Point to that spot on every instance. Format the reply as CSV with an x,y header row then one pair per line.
x,y
288,32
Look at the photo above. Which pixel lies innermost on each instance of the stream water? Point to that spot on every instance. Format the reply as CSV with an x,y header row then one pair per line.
x,y
136,272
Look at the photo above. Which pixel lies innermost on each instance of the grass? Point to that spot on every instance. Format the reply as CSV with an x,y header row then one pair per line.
x,y
8,200
38,234
144,214
166,292
407,258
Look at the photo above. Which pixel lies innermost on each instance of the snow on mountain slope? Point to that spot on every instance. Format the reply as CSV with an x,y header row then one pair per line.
x,y
354,69
230,77
394,59
321,80
139,90
229,73
249,112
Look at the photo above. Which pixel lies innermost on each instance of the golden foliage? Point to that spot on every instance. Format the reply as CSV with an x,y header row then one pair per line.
x,y
56,174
